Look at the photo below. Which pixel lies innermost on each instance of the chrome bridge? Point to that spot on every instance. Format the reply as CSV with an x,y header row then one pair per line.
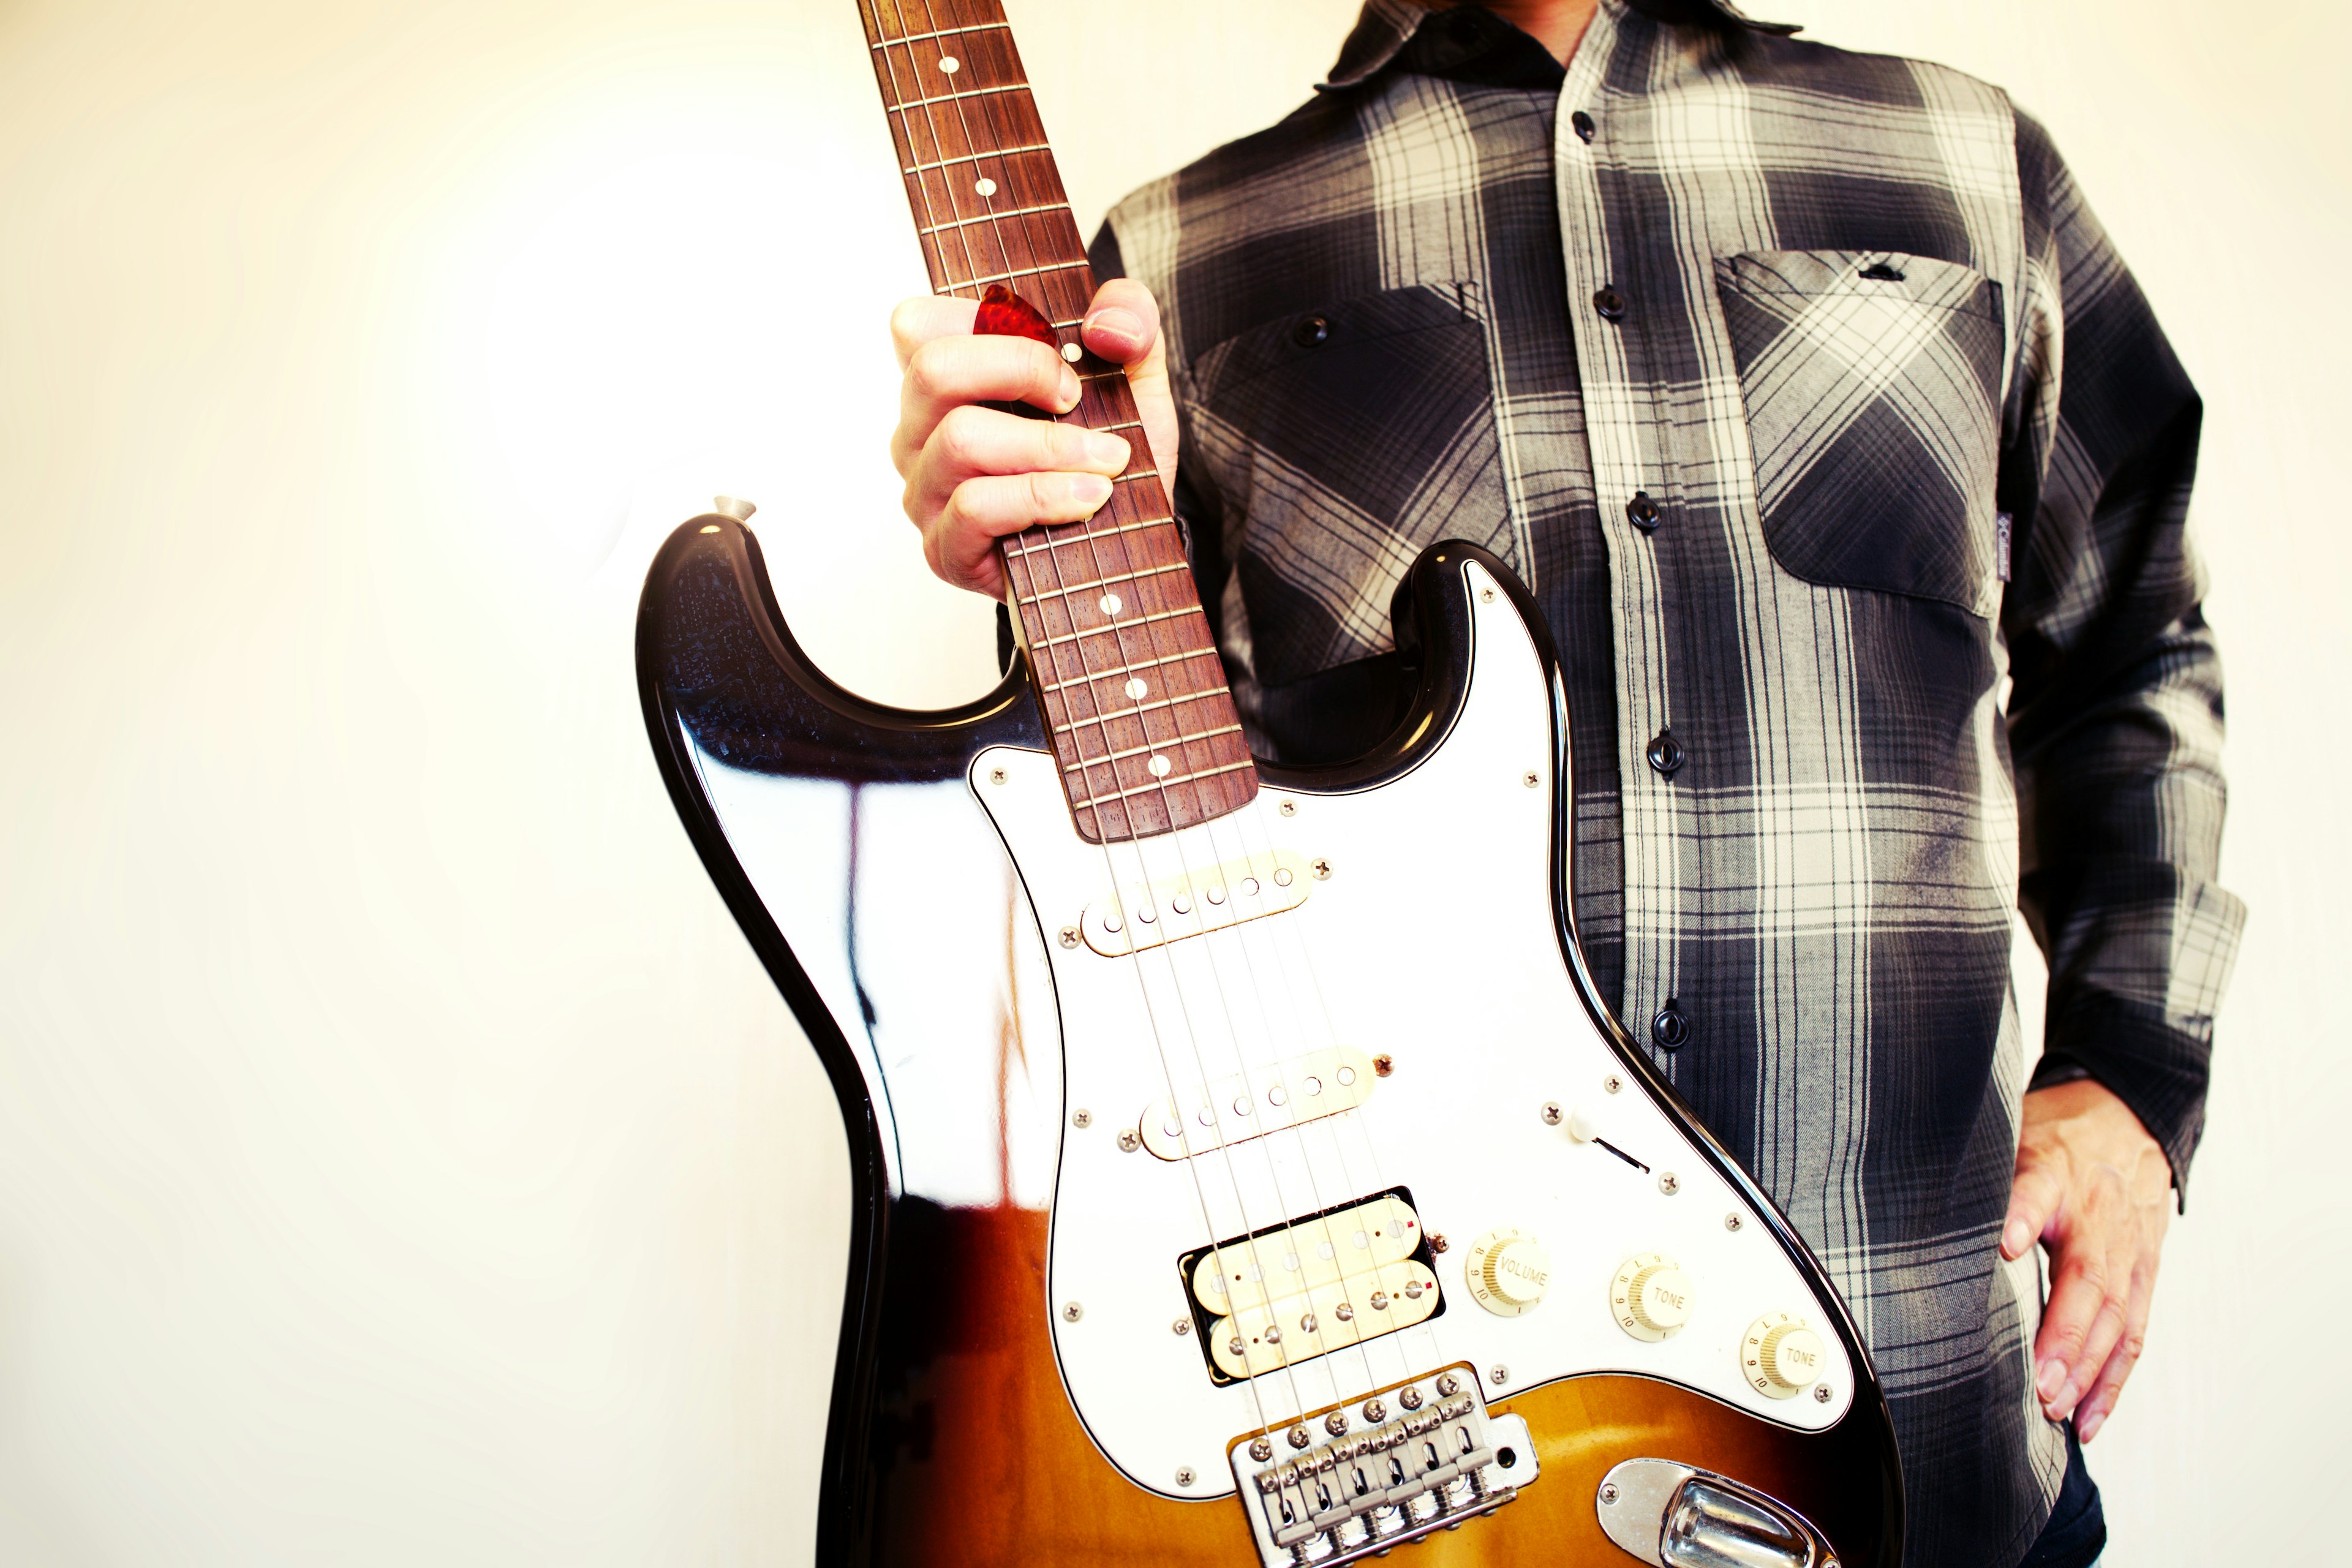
x,y
1426,1457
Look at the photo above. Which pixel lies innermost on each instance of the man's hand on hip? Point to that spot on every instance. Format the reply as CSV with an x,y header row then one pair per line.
x,y
975,474
2097,1190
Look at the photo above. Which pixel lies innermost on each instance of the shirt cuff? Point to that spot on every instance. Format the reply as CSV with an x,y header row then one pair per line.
x,y
2156,1068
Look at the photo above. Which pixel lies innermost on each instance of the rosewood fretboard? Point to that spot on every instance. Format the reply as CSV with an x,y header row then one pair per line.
x,y
1133,691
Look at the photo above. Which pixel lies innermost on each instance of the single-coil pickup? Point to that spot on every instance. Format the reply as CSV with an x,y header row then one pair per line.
x,y
1252,1104
1151,914
1287,1295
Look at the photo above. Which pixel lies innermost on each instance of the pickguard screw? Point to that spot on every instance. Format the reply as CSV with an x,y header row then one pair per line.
x,y
1732,1222
1300,1436
1498,1374
1289,808
1322,870
1261,1450
1081,1118
1409,1399
1069,936
1129,1140
1485,595
1185,1476
1670,1183
1383,1064
1183,1326
1345,1313
1613,1083
1375,1412
1609,1491
1072,1312
1437,1242
1531,778
1552,1114
996,775
1335,1423
1820,1394
1448,1386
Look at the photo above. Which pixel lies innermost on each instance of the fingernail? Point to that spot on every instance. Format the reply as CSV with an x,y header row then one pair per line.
x,y
2051,1378
2087,1427
1119,323
1109,452
2065,1403
2016,1238
1069,388
1089,489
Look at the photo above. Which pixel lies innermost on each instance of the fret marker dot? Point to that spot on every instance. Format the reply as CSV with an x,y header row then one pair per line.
x,y
1159,766
1111,604
1136,689
986,187
949,64
1071,353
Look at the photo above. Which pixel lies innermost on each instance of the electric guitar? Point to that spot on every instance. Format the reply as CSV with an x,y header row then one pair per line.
x,y
1245,1171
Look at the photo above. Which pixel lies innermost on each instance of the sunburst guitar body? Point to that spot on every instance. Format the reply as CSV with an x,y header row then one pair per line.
x,y
1244,1169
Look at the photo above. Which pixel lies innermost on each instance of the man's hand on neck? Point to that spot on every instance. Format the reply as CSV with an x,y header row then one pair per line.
x,y
1557,25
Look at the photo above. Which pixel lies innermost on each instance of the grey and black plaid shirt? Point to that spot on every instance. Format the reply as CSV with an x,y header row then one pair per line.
x,y
1851,466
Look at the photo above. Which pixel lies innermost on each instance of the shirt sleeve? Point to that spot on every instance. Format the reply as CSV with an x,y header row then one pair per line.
x,y
2115,713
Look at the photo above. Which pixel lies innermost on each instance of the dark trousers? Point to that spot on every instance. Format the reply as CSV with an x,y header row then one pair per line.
x,y
2077,1531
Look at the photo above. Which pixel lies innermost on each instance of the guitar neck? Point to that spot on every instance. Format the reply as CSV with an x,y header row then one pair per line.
x,y
1126,667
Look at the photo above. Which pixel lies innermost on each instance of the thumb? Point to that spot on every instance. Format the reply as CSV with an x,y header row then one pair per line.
x,y
2033,1200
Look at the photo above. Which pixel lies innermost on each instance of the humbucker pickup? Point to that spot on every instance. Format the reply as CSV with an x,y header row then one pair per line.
x,y
1151,914
1294,1291
1250,1105
1428,1457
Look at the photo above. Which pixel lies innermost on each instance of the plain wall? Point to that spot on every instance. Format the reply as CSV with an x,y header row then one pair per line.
x,y
402,1157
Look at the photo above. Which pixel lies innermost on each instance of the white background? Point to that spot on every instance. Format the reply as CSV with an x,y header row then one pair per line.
x,y
402,1158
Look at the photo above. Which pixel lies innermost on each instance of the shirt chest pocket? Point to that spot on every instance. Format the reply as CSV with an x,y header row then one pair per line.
x,y
1873,389
1339,442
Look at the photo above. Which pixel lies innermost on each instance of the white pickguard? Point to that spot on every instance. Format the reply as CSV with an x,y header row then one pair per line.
x,y
1431,941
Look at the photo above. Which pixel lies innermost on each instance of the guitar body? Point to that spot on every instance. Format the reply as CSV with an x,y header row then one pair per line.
x,y
1106,1128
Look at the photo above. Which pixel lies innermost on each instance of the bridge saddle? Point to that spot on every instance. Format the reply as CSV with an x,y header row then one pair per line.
x,y
1430,1456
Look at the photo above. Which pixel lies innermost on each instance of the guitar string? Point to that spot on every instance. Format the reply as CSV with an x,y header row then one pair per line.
x,y
1210,1229
1317,1203
1193,1031
1308,1162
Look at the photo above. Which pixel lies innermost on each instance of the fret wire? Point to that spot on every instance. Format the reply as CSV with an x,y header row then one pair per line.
x,y
951,97
1162,703
975,157
964,123
991,217
1153,663
1115,528
944,33
1153,748
1128,577
1116,627
1191,777
1019,272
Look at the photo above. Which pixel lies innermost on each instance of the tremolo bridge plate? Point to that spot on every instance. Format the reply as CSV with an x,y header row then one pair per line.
x,y
1419,1456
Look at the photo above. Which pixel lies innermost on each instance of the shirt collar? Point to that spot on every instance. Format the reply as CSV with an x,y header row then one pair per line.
x,y
1480,44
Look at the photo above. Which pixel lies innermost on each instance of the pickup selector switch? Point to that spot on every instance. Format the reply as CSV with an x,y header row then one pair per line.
x,y
1650,1297
1779,1355
1508,1272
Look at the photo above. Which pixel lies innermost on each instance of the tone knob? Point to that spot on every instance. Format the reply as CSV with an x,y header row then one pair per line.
x,y
1779,1355
1508,1272
1651,1297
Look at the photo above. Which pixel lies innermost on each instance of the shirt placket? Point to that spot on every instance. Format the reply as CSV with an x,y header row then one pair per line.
x,y
1629,443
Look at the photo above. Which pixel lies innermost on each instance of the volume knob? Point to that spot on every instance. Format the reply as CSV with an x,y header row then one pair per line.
x,y
1651,1297
1508,1272
1779,1355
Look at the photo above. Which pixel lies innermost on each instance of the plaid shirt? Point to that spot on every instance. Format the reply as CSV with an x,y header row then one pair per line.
x,y
1850,468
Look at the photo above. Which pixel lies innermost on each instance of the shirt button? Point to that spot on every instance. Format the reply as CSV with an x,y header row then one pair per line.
x,y
1582,123
1670,1029
1643,511
1310,332
1665,753
1609,302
